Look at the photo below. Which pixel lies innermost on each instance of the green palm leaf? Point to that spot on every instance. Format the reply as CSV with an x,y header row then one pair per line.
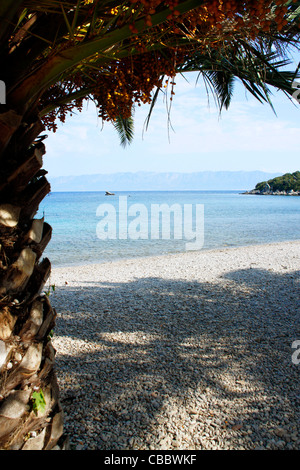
x,y
125,129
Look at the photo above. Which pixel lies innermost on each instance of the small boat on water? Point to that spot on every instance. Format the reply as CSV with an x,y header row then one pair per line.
x,y
107,193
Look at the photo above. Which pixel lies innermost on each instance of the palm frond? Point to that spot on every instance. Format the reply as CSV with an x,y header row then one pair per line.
x,y
152,105
125,129
257,70
222,82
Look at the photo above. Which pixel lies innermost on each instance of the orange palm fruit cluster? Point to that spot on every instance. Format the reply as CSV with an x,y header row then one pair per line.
x,y
125,82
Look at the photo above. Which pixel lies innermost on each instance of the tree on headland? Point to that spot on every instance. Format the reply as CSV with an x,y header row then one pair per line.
x,y
289,182
118,54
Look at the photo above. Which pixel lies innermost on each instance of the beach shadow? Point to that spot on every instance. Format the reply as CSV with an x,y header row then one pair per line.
x,y
154,348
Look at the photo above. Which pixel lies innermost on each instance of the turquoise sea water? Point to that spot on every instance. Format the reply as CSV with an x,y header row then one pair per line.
x,y
230,220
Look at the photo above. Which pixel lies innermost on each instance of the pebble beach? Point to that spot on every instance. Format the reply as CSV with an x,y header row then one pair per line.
x,y
190,351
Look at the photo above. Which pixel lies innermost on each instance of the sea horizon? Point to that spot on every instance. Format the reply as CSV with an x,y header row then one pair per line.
x,y
161,181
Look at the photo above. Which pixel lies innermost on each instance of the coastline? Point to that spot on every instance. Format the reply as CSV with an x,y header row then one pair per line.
x,y
182,351
84,267
77,264
256,192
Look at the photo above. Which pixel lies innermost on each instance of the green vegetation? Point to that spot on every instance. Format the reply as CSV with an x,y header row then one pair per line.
x,y
38,402
287,182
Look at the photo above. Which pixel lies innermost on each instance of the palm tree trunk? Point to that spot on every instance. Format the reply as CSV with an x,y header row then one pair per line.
x,y
31,416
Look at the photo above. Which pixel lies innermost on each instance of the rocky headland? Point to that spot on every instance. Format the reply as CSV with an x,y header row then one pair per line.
x,y
286,185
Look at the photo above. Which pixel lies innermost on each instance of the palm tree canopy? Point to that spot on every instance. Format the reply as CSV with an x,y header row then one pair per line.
x,y
54,54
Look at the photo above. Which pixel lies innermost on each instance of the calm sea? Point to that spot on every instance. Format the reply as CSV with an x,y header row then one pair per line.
x,y
230,220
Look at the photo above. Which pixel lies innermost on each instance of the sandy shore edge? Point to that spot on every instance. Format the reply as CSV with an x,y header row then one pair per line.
x,y
269,256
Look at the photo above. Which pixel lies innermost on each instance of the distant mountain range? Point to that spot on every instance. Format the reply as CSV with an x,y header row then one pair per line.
x,y
152,181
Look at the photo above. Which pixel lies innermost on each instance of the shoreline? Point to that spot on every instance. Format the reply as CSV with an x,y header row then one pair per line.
x,y
147,257
187,351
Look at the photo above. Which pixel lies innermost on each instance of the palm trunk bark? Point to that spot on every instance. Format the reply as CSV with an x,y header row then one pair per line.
x,y
27,356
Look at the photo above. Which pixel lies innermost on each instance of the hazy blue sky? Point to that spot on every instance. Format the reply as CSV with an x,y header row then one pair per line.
x,y
249,136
